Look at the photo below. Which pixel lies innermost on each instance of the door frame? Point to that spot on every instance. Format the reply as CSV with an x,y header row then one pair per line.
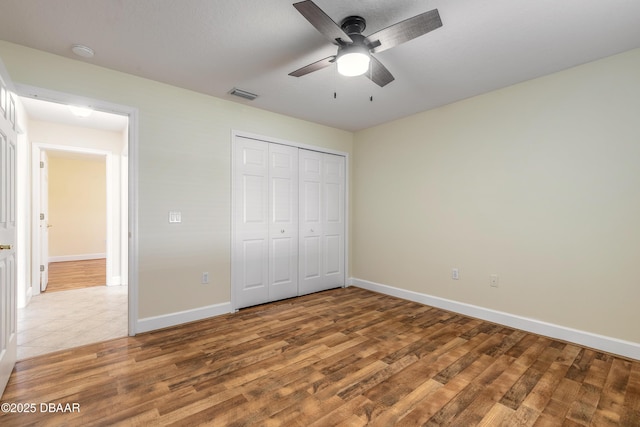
x,y
36,196
238,133
41,199
132,181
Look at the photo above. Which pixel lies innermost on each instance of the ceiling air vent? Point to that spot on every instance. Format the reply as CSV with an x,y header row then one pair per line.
x,y
243,94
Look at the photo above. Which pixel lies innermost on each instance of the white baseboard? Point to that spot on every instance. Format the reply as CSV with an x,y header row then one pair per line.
x,y
599,342
114,281
81,257
166,320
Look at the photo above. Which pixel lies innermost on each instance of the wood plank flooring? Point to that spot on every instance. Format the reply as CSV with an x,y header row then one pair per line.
x,y
64,276
345,357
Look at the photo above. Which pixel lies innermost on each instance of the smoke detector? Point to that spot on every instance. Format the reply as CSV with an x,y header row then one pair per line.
x,y
82,50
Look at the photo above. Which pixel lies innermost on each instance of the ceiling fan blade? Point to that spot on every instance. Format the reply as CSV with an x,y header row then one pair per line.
x,y
318,65
404,31
379,73
321,21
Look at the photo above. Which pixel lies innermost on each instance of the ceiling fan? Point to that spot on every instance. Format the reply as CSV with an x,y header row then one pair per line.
x,y
354,56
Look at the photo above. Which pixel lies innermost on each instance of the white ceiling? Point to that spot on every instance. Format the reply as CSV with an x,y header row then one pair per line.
x,y
211,46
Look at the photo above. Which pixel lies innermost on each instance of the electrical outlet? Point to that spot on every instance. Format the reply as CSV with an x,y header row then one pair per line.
x,y
493,280
205,278
175,217
455,274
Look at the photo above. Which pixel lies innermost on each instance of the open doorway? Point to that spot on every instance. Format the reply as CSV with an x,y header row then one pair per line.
x,y
79,207
74,230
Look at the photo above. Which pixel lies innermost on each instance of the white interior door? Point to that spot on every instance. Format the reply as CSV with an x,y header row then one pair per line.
x,y
251,222
8,291
283,222
44,220
311,277
322,221
333,215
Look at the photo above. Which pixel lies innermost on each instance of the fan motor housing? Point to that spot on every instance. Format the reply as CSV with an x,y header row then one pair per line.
x,y
353,25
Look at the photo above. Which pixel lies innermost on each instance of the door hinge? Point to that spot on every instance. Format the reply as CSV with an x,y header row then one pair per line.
x,y
41,165
42,268
41,216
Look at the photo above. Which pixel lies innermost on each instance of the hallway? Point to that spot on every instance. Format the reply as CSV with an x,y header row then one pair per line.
x,y
61,320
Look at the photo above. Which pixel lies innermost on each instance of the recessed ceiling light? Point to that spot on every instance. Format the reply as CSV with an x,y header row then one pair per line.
x,y
80,111
82,50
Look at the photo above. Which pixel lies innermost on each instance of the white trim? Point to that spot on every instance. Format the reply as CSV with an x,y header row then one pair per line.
x,y
271,139
110,208
81,257
33,242
23,223
600,342
132,209
178,318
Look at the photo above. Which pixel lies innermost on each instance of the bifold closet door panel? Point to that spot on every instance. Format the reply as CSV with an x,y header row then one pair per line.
x,y
251,211
334,220
322,221
283,221
311,269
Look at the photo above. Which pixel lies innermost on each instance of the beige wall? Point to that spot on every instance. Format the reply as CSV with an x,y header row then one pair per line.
x,y
538,183
77,206
184,164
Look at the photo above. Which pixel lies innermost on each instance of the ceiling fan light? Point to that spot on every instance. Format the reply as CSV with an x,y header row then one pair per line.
x,y
353,63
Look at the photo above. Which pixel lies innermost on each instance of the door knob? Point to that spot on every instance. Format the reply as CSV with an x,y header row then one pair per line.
x,y
3,247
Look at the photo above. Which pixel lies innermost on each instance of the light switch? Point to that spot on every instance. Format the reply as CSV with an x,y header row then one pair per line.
x,y
175,216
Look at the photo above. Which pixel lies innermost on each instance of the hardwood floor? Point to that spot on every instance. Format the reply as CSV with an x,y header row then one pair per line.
x,y
345,357
64,276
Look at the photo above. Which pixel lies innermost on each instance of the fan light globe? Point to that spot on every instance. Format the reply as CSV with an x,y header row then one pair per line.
x,y
353,64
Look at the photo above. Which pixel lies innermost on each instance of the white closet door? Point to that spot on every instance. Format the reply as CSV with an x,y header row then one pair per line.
x,y
283,222
251,220
322,224
265,259
333,220
311,279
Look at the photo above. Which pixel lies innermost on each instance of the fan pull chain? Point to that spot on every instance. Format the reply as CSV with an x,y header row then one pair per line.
x,y
370,78
335,80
